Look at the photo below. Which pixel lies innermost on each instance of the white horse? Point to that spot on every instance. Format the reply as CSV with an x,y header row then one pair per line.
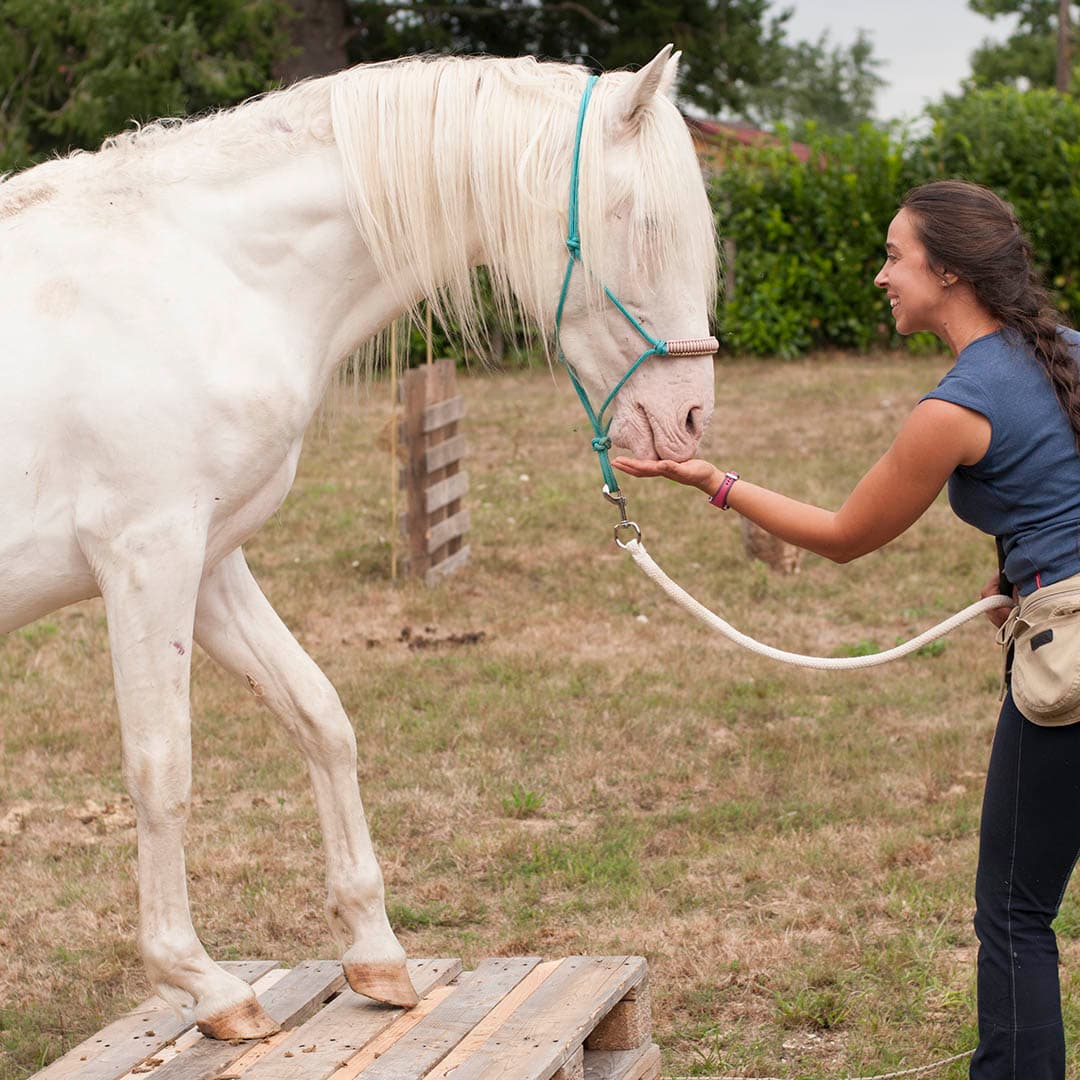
x,y
174,307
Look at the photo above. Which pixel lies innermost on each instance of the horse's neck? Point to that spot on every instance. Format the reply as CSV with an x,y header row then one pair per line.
x,y
285,231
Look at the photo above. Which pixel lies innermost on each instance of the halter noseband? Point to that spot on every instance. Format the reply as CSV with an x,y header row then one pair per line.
x,y
601,442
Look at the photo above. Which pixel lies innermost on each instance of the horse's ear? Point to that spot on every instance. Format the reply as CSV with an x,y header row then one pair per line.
x,y
643,86
671,74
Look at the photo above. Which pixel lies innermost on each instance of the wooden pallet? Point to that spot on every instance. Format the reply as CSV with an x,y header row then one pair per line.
x,y
513,1018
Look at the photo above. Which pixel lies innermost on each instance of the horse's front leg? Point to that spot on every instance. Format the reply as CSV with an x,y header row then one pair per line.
x,y
237,626
149,578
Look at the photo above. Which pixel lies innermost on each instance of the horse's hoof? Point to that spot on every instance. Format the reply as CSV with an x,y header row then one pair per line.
x,y
382,982
248,1020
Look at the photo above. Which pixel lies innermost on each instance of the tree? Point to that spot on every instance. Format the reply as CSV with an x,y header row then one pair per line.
x,y
74,71
829,87
729,46
318,30
1032,55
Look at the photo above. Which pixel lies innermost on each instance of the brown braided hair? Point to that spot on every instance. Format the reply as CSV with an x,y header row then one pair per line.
x,y
969,231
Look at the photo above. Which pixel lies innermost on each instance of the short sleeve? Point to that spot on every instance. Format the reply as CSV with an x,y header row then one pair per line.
x,y
960,389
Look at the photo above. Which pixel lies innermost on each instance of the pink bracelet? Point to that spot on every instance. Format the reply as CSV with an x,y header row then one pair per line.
x,y
720,498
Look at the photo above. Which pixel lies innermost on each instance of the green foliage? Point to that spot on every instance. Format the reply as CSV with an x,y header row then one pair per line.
x,y
809,235
521,802
76,72
728,45
1028,57
832,86
808,238
1026,146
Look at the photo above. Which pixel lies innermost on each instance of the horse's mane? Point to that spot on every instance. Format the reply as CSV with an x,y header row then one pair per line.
x,y
429,143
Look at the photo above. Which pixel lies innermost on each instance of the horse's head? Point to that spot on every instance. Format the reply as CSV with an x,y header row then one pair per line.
x,y
454,162
647,241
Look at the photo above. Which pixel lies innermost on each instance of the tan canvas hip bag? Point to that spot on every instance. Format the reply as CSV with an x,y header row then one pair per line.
x,y
1041,641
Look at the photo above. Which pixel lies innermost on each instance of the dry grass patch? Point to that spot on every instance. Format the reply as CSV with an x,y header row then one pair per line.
x,y
567,763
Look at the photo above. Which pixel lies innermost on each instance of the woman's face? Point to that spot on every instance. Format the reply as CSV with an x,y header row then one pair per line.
x,y
916,293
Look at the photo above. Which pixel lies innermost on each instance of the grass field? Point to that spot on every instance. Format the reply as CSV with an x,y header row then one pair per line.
x,y
555,759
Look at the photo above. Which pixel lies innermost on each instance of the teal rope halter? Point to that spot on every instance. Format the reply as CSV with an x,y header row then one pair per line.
x,y
601,442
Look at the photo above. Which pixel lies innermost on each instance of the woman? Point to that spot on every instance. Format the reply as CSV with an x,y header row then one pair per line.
x,y
1003,429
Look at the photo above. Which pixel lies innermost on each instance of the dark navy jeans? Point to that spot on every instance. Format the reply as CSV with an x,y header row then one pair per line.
x,y
1028,844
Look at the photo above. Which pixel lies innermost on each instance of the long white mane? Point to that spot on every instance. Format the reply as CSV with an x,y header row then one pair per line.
x,y
430,143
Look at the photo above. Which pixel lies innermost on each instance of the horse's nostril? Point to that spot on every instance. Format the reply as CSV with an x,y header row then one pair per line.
x,y
693,421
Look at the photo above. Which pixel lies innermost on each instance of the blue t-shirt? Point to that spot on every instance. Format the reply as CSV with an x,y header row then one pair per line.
x,y
1026,488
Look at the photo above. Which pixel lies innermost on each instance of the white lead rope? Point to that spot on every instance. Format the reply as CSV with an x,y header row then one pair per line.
x,y
843,663
827,663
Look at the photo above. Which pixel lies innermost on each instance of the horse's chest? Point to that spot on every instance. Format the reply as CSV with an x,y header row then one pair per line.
x,y
234,519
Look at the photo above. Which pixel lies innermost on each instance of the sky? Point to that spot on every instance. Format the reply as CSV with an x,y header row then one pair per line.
x,y
925,43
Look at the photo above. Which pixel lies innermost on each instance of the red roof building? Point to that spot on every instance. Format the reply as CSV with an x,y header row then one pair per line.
x,y
714,139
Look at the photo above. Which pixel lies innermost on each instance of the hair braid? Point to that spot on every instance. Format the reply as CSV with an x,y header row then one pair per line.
x,y
969,231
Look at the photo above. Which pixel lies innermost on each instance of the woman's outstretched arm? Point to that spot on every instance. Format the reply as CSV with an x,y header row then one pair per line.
x,y
936,437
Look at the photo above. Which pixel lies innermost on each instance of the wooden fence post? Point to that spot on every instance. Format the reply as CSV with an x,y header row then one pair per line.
x,y
727,264
434,521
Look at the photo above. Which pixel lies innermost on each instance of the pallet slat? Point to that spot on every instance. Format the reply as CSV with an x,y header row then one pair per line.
x,y
447,566
541,1035
444,1028
385,1040
493,1021
445,453
290,1002
446,491
339,1031
443,413
138,1035
641,1064
627,1026
442,532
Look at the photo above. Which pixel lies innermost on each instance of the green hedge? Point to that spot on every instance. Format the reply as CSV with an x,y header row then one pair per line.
x,y
809,236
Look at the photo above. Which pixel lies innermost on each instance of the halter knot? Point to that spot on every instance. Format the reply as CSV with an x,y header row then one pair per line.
x,y
601,444
573,245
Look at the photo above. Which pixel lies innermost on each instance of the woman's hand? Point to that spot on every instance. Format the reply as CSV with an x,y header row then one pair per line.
x,y
996,615
693,473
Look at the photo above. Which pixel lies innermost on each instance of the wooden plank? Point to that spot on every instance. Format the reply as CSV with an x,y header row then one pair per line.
x,y
494,1020
432,1039
413,396
443,413
290,1003
573,1068
446,491
442,387
193,1035
627,1026
546,1030
143,1032
445,531
445,453
441,380
447,566
399,1029
334,1035
640,1064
